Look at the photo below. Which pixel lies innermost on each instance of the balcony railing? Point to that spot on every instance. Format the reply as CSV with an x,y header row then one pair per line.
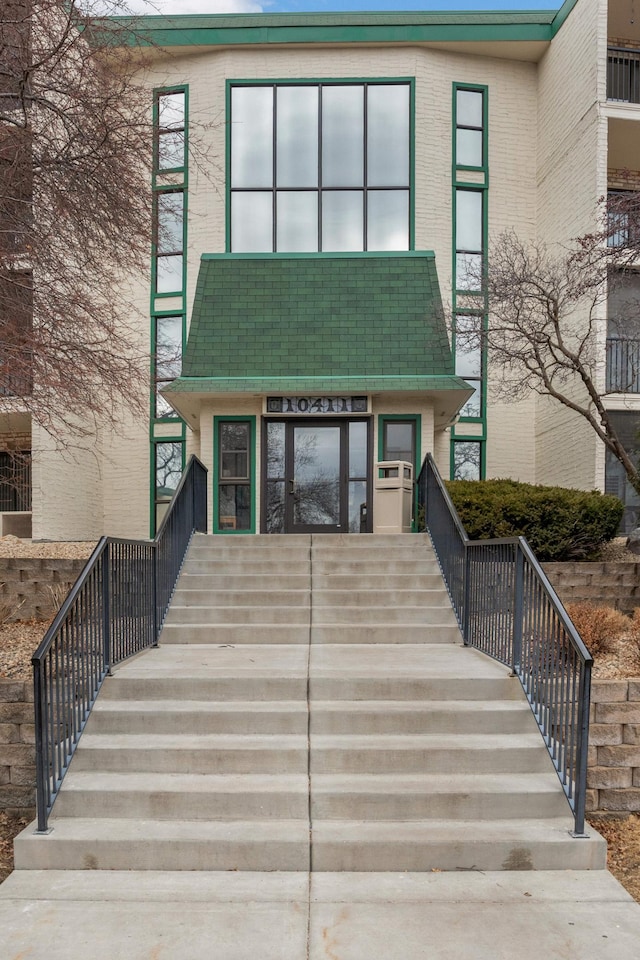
x,y
623,365
623,75
15,482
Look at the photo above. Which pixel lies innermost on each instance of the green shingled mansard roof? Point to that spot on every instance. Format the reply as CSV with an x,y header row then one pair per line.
x,y
267,323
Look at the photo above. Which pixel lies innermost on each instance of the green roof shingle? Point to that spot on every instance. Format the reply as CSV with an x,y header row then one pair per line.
x,y
373,317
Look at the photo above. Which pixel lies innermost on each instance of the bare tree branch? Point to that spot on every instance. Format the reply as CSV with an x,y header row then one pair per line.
x,y
75,214
545,309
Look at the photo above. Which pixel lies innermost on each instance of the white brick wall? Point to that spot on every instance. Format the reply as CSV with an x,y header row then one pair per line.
x,y
571,178
547,162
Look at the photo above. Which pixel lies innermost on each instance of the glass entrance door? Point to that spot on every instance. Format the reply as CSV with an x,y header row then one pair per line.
x,y
315,491
316,477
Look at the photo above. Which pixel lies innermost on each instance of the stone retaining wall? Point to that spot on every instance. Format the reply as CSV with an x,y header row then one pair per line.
x,y
33,588
616,584
613,777
17,752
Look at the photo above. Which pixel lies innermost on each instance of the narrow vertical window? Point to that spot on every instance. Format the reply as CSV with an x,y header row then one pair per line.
x,y
467,460
469,359
469,128
170,131
470,227
469,246
234,473
168,470
168,362
169,223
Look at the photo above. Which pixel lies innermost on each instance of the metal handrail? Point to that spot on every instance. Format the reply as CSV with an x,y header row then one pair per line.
x,y
115,609
507,608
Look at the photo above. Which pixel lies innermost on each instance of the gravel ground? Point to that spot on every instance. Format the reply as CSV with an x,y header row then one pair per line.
x,y
71,550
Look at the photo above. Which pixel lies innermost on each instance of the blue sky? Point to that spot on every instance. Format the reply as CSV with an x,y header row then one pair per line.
x,y
326,6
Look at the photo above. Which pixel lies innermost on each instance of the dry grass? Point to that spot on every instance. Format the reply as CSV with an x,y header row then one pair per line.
x,y
623,849
10,825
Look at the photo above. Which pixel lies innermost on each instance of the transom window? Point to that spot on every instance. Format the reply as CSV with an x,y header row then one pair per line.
x,y
323,166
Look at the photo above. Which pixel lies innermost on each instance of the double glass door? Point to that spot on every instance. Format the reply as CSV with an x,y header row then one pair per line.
x,y
316,476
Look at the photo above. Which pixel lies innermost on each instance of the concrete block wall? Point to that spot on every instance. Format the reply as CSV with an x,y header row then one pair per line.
x,y
613,775
32,588
17,751
614,584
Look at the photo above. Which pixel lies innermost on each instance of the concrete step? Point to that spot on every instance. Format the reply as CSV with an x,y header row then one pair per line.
x,y
213,672
77,843
377,581
434,845
420,717
248,596
418,671
198,717
184,796
240,582
449,796
385,633
372,551
245,614
374,562
202,754
383,614
365,540
217,551
229,634
277,568
425,753
383,595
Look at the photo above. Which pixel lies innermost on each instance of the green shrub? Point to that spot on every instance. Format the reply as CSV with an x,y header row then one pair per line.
x,y
560,524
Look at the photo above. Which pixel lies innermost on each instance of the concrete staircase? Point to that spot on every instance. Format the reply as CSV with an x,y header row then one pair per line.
x,y
311,707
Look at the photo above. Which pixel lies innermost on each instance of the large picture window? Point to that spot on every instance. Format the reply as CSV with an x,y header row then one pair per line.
x,y
323,166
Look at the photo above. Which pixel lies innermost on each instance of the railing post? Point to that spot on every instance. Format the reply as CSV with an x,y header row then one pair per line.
x,y
518,612
106,606
581,753
466,594
154,591
41,766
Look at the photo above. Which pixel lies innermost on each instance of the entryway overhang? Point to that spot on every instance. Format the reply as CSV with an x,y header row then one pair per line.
x,y
318,324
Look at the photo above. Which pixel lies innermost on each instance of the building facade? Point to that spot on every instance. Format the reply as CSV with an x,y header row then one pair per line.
x,y
325,187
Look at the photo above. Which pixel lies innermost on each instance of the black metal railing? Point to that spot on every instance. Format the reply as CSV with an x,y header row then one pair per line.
x,y
623,75
507,608
623,365
115,609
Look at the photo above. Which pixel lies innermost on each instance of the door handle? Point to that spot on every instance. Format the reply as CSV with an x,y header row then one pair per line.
x,y
292,486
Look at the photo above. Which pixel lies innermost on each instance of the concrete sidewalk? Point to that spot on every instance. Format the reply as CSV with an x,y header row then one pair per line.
x,y
111,915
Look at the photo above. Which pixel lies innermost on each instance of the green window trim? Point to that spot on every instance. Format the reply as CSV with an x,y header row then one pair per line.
x,y
484,166
467,302
174,438
158,173
481,442
416,419
159,315
251,420
311,81
165,181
